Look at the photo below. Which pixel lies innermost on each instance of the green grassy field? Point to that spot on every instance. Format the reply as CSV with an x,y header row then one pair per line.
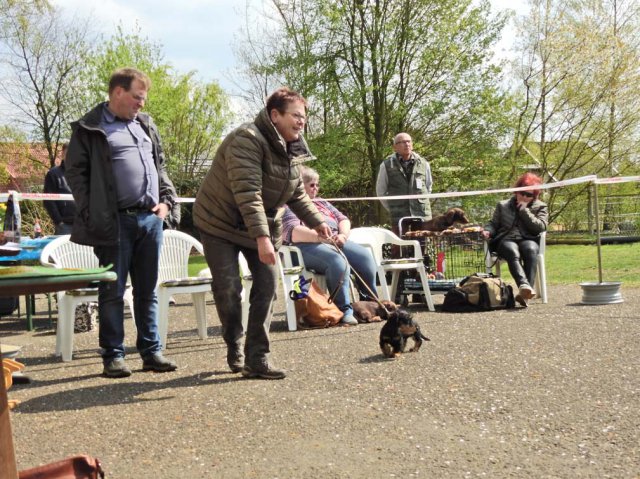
x,y
566,264
570,264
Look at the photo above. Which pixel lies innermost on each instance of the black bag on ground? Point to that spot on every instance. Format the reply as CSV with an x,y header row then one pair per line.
x,y
479,292
8,305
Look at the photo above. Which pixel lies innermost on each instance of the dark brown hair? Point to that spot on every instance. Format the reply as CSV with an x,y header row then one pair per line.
x,y
123,77
280,98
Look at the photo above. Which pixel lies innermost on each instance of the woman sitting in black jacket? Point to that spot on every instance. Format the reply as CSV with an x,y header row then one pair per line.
x,y
515,233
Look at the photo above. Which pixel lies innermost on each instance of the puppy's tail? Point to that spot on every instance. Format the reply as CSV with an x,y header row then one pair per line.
x,y
424,337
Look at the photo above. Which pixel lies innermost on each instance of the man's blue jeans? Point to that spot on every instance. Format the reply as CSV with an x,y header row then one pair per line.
x,y
137,255
324,259
222,258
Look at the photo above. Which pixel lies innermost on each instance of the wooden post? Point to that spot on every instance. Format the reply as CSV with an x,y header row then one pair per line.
x,y
8,469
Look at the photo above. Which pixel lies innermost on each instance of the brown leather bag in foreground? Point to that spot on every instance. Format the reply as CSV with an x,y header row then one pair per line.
x,y
315,311
76,467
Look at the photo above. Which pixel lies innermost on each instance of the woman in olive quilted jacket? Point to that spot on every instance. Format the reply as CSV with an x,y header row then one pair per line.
x,y
239,208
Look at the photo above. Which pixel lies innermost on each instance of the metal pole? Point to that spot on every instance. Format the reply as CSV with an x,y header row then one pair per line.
x,y
598,244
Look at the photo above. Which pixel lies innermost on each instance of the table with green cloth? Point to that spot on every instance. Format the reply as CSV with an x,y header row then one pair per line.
x,y
19,280
27,252
27,280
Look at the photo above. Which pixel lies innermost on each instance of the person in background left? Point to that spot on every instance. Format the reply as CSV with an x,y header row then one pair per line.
x,y
61,212
116,170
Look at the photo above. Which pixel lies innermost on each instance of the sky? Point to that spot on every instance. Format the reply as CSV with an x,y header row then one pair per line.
x,y
198,34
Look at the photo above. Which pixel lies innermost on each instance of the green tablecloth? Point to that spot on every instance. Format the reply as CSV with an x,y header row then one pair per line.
x,y
20,280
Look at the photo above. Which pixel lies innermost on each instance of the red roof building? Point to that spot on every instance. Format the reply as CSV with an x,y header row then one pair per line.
x,y
23,166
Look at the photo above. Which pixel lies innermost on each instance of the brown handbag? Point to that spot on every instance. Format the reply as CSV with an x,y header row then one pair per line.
x,y
316,311
75,467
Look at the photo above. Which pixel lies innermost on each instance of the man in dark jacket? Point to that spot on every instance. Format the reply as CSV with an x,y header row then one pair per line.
x,y
61,212
116,170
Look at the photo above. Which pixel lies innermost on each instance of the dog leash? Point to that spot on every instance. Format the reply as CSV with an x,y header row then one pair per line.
x,y
371,293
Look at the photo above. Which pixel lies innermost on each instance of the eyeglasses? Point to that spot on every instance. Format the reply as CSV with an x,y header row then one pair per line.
x,y
405,142
297,116
313,185
526,194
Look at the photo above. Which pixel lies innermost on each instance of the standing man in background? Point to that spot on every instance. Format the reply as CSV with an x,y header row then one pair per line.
x,y
116,170
61,212
404,173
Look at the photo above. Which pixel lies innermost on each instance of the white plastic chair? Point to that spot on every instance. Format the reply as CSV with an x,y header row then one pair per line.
x,y
492,260
291,266
173,278
63,253
375,238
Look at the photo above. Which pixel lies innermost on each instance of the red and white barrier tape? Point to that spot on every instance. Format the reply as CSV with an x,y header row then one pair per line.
x,y
448,194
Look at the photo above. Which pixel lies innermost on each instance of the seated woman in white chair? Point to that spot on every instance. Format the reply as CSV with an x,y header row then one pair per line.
x,y
515,231
322,257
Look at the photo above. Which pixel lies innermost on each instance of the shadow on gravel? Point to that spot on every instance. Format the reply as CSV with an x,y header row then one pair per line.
x,y
376,358
115,392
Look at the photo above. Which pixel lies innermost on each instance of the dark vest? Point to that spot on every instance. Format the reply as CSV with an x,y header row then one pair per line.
x,y
398,183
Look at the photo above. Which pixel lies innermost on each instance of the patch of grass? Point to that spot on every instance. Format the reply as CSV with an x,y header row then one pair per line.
x,y
566,264
573,264
196,264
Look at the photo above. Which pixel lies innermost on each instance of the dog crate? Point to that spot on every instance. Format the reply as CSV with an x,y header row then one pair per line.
x,y
449,255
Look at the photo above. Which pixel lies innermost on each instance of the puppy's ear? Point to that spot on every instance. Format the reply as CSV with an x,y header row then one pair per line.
x,y
461,216
404,314
390,305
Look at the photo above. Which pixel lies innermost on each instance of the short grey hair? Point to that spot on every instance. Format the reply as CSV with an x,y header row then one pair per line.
x,y
308,174
395,138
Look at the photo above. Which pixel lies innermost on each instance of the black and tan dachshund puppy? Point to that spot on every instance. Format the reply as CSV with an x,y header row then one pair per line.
x,y
399,327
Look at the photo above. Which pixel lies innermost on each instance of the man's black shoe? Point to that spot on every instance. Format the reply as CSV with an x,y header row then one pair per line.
x,y
235,360
116,368
157,362
263,372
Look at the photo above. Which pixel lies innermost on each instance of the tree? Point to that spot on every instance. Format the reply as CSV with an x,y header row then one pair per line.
x,y
190,115
579,97
374,68
43,55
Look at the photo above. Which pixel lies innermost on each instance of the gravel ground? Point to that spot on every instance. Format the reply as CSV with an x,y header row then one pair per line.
x,y
551,391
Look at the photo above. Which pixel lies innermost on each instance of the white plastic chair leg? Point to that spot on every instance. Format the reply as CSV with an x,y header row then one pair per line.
x,y
395,276
201,313
59,326
384,287
65,324
245,307
287,285
61,295
541,280
163,315
425,288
